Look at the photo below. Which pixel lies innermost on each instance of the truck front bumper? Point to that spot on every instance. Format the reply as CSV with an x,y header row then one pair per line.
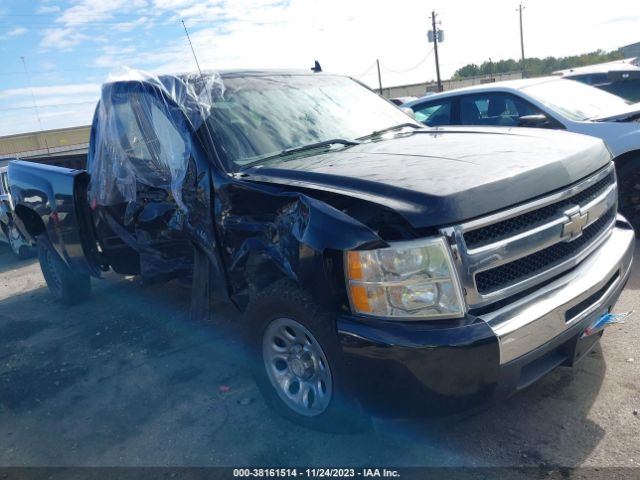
x,y
448,367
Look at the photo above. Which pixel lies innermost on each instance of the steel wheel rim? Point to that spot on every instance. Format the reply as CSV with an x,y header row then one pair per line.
x,y
297,367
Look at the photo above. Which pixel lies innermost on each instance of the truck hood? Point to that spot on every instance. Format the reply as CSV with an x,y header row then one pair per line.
x,y
435,177
630,113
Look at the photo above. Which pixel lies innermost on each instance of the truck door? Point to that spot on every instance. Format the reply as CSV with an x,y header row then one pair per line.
x,y
152,180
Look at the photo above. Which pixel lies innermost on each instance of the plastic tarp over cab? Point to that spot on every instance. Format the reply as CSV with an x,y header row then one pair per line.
x,y
142,132
149,183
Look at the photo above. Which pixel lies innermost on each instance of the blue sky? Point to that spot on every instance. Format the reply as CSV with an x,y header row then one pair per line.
x,y
71,46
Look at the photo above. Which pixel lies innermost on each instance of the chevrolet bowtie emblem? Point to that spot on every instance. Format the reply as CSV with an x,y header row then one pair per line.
x,y
572,228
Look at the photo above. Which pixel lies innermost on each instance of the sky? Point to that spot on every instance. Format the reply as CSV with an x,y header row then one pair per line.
x,y
71,47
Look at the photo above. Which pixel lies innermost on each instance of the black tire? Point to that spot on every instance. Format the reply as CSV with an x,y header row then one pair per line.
x,y
629,191
286,300
23,252
66,286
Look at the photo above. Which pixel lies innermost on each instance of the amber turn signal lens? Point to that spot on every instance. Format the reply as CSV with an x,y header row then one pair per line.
x,y
359,298
354,266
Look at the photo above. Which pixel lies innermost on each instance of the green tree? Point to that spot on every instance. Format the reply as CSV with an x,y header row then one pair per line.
x,y
537,66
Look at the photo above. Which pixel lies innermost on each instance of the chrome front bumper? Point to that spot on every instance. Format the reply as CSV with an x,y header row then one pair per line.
x,y
594,285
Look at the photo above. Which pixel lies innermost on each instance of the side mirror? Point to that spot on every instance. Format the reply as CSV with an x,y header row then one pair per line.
x,y
409,112
534,121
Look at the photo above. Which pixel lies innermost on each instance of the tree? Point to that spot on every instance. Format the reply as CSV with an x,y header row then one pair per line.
x,y
537,66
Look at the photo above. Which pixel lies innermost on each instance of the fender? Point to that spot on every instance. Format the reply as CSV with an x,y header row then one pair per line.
x,y
45,199
269,233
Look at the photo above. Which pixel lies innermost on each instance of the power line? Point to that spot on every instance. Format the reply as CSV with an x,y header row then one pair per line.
x,y
46,72
56,105
424,59
366,71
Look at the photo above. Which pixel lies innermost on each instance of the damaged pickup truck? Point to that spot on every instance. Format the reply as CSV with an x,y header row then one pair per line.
x,y
383,267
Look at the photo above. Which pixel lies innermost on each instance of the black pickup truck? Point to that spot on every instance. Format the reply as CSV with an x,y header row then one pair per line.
x,y
383,267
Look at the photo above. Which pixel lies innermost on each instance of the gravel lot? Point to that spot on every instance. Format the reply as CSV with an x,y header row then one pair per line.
x,y
127,379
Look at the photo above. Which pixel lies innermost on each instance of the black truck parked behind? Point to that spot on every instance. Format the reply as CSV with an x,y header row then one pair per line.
x,y
383,266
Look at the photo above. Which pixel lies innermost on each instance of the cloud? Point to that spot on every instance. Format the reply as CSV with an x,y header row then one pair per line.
x,y
45,9
62,38
14,32
13,122
58,106
67,90
88,11
345,36
128,26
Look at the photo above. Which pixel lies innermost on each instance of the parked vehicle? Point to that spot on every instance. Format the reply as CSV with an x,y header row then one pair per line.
x,y
621,78
10,233
401,100
551,103
383,267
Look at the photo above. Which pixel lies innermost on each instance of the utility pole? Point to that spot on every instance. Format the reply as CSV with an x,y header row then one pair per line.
x,y
379,76
435,48
524,72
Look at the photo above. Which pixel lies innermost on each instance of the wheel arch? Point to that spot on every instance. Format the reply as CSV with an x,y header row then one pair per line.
x,y
626,156
29,222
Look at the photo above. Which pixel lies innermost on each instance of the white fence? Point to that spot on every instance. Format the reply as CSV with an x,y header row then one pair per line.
x,y
421,89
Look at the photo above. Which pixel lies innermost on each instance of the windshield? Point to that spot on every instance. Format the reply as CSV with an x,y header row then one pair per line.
x,y
262,116
575,100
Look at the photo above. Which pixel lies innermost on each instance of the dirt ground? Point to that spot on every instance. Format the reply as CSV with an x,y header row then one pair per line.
x,y
127,379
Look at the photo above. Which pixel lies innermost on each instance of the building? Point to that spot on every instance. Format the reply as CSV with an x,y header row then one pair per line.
x,y
72,141
632,50
421,89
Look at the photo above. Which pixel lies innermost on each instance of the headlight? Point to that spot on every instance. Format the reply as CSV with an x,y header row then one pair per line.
x,y
414,280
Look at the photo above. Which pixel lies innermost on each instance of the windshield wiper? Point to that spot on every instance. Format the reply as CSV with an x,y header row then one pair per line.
x,y
313,146
377,133
304,148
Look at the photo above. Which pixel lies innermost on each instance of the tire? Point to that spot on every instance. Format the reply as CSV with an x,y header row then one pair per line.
x,y
23,252
629,191
66,286
291,340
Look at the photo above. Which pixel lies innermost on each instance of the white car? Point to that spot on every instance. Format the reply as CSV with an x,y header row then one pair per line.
x,y
621,77
549,102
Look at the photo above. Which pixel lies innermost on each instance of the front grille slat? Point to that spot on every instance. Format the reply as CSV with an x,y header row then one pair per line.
x,y
514,251
527,221
492,280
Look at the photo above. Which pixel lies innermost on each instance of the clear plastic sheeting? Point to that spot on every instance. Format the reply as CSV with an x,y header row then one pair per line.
x,y
143,130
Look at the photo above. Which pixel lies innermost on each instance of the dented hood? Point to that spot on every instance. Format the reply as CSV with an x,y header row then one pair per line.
x,y
436,177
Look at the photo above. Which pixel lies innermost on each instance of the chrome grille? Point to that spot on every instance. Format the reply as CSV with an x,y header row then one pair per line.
x,y
497,231
499,277
511,251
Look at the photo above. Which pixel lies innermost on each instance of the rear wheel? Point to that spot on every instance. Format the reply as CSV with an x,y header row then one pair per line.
x,y
66,286
297,362
629,188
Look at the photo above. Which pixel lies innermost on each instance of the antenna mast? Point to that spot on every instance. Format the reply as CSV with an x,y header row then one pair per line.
x,y
191,45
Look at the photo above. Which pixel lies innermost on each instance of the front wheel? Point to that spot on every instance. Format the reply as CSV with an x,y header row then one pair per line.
x,y
297,362
66,286
629,192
